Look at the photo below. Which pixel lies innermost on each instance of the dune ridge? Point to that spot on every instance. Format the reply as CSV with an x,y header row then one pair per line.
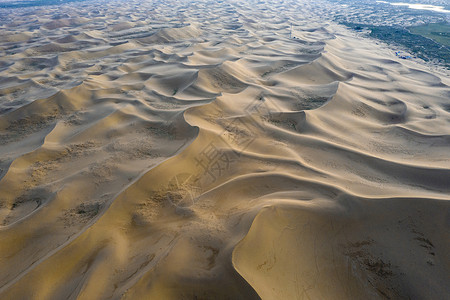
x,y
192,150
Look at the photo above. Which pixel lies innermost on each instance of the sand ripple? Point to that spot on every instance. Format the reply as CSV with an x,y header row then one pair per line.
x,y
191,150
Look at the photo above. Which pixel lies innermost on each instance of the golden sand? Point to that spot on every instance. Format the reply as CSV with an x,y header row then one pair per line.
x,y
192,150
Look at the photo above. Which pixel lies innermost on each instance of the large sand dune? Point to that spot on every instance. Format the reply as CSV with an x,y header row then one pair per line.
x,y
192,150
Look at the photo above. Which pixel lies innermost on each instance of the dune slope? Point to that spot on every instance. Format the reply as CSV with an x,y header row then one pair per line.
x,y
192,150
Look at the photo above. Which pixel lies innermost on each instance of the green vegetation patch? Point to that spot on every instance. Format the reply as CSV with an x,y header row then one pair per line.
x,y
421,46
439,32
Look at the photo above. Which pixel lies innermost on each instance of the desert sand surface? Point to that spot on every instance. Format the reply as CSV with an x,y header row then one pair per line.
x,y
193,150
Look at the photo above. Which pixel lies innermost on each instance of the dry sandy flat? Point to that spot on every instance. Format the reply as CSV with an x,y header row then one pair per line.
x,y
191,150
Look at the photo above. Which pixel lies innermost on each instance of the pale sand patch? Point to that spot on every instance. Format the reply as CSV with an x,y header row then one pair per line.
x,y
171,150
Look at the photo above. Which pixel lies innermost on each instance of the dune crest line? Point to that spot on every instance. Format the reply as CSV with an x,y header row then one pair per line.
x,y
202,150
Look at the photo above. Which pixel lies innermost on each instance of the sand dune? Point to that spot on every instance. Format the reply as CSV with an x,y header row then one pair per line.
x,y
191,150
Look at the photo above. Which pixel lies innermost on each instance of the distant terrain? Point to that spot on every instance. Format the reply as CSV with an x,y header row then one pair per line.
x,y
428,42
424,33
30,3
438,32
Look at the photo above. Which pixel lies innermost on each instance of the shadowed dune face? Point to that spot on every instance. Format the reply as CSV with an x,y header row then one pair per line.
x,y
191,150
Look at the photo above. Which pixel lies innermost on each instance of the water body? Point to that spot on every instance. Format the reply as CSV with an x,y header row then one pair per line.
x,y
440,9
